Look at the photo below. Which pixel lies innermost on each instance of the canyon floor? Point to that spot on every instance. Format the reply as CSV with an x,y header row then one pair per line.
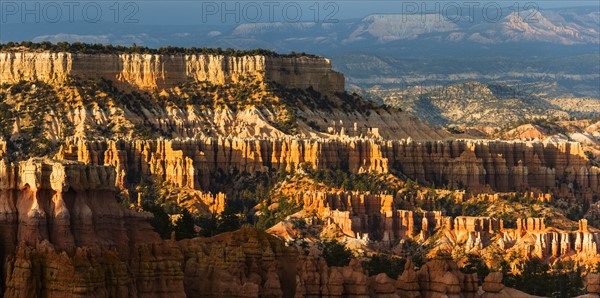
x,y
132,172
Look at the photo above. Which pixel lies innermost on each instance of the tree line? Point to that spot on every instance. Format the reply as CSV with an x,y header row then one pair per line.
x,y
87,48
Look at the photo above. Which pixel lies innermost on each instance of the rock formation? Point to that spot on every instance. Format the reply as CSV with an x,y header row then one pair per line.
x,y
193,96
493,288
69,204
149,72
376,217
477,165
592,281
64,234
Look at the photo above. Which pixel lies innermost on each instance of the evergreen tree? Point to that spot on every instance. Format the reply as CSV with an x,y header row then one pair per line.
x,y
184,227
336,254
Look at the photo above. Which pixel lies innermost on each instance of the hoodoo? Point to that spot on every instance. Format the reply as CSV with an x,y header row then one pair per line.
x,y
132,172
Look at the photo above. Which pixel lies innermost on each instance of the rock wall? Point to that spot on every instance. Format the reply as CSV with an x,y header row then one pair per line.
x,y
532,238
437,278
67,203
249,263
478,165
63,234
157,72
378,218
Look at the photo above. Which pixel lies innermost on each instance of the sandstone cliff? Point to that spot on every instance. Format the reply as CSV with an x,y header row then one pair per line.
x,y
249,105
377,218
69,204
64,235
476,165
197,123
249,263
148,72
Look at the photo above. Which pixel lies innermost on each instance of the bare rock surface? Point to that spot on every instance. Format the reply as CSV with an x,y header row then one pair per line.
x,y
157,72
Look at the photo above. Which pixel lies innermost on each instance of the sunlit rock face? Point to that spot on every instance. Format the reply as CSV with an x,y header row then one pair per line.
x,y
478,165
65,235
149,72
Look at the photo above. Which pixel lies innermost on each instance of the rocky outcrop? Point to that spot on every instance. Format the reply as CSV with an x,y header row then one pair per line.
x,y
44,271
592,281
68,204
376,217
148,72
476,165
246,263
441,278
493,288
246,103
64,234
493,283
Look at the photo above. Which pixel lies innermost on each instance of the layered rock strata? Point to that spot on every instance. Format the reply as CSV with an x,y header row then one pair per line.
x,y
249,263
477,165
148,72
376,217
64,235
69,204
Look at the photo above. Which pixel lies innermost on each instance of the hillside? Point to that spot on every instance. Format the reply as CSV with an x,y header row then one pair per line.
x,y
48,96
477,104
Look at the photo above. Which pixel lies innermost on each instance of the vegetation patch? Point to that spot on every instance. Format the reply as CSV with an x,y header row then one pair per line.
x,y
86,48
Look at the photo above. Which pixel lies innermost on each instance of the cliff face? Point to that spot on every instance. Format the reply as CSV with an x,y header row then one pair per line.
x,y
64,234
376,217
148,72
245,263
478,165
258,265
241,101
69,204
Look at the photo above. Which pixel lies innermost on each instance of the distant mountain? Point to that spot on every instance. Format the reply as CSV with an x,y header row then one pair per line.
x,y
388,28
560,27
566,28
575,26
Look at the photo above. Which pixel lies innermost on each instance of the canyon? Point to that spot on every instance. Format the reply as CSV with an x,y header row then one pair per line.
x,y
376,217
206,133
65,235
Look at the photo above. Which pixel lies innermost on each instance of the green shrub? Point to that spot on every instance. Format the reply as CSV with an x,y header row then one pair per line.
x,y
161,221
184,226
475,264
390,265
78,47
537,278
227,221
336,254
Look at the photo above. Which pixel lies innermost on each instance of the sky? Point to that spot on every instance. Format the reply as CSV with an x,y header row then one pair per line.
x,y
189,12
152,12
